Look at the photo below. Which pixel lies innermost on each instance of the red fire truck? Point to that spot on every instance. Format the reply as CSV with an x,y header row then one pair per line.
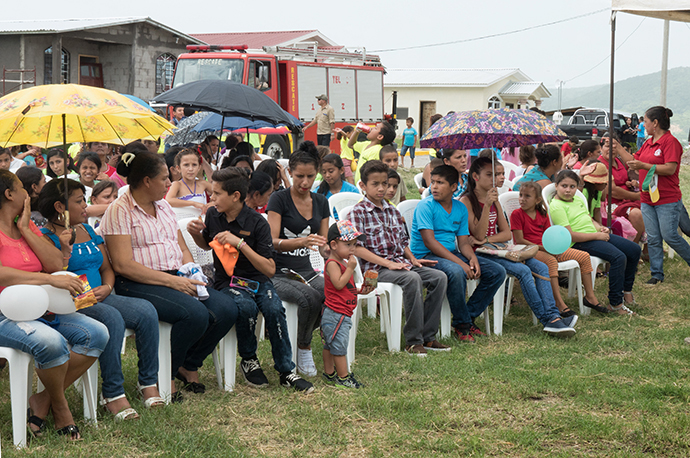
x,y
294,77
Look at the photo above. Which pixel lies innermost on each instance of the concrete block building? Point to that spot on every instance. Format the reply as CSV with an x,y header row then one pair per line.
x,y
132,55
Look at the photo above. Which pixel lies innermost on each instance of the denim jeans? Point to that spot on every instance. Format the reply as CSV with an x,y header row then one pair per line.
x,y
623,255
117,313
198,325
48,345
537,292
309,299
492,276
661,223
267,302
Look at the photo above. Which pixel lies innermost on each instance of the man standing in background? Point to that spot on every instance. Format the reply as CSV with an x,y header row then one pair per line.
x,y
325,121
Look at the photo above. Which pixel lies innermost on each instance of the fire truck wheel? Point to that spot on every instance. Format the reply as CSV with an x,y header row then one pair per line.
x,y
275,147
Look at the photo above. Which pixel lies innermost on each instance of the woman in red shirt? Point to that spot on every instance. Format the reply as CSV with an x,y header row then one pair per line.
x,y
661,211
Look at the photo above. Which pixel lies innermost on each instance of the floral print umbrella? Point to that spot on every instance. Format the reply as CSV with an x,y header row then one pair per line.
x,y
34,116
491,128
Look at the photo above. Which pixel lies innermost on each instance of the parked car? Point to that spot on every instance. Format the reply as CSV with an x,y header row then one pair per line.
x,y
588,123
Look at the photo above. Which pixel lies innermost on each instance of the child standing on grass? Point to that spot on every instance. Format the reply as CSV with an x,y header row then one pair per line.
x,y
389,156
409,142
528,224
189,191
341,301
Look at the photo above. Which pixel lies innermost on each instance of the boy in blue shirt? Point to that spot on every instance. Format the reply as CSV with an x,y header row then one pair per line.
x,y
409,142
439,223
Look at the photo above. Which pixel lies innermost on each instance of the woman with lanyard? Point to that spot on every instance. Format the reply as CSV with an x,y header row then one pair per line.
x,y
115,312
661,196
147,250
299,224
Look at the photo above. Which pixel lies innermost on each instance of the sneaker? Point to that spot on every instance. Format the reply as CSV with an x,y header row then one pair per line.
x,y
559,329
463,335
292,380
330,378
251,369
475,331
653,281
435,345
305,363
416,350
570,321
349,381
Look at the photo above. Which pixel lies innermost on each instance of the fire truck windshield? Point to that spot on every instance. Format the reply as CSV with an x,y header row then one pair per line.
x,y
201,68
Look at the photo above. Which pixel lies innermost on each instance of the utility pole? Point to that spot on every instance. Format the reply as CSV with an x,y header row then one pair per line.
x,y
664,64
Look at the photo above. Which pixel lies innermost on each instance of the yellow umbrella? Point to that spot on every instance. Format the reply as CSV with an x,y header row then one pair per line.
x,y
56,114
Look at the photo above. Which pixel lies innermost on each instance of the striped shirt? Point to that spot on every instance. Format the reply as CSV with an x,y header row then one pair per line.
x,y
154,239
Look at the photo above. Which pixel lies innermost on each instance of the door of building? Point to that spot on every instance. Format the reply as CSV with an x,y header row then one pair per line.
x,y
90,71
426,110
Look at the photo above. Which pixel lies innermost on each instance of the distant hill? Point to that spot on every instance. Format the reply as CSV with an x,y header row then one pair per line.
x,y
635,95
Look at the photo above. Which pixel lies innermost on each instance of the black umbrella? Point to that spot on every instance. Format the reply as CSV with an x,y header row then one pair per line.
x,y
228,99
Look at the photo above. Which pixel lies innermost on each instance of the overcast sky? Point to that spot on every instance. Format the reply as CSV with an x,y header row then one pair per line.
x,y
562,51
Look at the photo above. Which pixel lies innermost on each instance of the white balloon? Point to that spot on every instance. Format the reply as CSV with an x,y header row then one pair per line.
x,y
60,301
23,302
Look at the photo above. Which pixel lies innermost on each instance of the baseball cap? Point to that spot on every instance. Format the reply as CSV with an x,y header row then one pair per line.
x,y
322,97
344,230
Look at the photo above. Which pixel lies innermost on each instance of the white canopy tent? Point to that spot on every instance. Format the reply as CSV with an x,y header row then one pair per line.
x,y
668,10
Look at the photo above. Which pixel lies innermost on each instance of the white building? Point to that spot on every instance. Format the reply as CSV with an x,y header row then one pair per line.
x,y
423,92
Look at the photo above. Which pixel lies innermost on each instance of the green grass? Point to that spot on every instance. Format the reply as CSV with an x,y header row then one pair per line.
x,y
619,388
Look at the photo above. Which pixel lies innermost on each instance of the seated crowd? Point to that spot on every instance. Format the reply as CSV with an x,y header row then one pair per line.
x,y
263,227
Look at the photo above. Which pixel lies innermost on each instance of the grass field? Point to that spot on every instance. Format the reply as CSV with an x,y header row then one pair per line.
x,y
619,388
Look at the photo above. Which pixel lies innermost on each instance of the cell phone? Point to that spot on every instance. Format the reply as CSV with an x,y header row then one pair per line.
x,y
244,283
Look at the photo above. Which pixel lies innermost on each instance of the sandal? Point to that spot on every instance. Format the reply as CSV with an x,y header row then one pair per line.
x,y
125,414
565,313
631,303
598,307
36,421
70,430
621,310
153,401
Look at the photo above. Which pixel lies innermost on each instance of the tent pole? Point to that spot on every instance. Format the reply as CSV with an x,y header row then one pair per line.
x,y
664,64
611,130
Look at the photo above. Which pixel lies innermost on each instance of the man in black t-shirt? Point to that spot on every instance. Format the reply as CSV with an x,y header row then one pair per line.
x,y
232,223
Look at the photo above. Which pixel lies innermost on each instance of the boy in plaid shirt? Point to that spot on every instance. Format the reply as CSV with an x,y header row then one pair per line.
x,y
386,250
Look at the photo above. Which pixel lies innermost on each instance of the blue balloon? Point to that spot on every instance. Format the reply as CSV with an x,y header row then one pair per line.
x,y
556,240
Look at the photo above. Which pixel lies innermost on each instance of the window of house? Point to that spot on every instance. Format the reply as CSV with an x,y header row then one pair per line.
x,y
165,67
48,67
494,102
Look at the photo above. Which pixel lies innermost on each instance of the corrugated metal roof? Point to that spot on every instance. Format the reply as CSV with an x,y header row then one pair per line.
x,y
76,25
524,89
447,77
257,40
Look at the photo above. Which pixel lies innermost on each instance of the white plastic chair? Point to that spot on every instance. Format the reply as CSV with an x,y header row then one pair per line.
x,y
418,180
200,256
342,200
510,167
343,214
21,381
509,201
406,209
186,212
426,193
122,190
547,194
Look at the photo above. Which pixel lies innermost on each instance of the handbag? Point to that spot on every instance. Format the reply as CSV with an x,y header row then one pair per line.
x,y
515,253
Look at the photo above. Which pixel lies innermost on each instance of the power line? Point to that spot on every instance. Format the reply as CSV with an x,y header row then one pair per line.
x,y
609,56
493,35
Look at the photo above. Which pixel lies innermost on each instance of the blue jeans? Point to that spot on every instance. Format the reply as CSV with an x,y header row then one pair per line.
x,y
48,345
623,255
492,277
537,292
117,313
661,223
640,142
404,149
198,325
267,302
